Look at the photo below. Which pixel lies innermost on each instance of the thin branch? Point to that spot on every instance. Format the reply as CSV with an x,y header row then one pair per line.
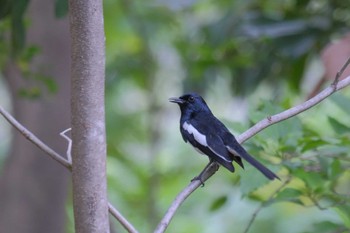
x,y
36,141
128,226
69,147
181,197
340,72
335,86
293,111
264,203
66,163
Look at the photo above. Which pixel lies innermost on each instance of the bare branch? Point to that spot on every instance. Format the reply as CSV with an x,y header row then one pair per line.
x,y
66,163
130,228
270,120
293,111
69,148
340,72
36,141
181,197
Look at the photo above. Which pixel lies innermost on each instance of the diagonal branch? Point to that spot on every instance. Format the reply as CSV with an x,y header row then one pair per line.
x,y
181,197
121,219
35,140
270,120
59,158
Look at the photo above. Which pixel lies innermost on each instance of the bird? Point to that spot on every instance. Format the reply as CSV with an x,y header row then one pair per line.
x,y
209,136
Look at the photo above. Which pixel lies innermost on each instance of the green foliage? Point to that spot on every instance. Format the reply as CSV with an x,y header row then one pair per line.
x,y
17,25
248,42
262,46
61,8
218,203
5,8
37,82
326,227
258,47
289,195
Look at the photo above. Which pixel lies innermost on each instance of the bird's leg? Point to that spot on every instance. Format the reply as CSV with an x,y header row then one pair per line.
x,y
199,177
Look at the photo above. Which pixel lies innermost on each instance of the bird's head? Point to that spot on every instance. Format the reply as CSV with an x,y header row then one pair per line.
x,y
191,103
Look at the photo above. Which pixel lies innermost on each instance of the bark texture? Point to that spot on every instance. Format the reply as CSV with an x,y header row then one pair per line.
x,y
88,116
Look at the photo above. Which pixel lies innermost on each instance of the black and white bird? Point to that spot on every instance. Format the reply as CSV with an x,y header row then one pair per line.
x,y
210,136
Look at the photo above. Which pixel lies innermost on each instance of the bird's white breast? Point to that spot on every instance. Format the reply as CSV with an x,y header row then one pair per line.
x,y
200,138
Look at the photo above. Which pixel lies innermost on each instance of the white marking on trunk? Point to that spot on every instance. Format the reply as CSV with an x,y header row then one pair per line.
x,y
200,138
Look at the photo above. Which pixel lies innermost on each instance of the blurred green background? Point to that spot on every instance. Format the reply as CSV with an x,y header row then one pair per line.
x,y
248,59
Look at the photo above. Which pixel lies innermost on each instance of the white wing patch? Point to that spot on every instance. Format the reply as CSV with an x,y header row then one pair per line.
x,y
200,138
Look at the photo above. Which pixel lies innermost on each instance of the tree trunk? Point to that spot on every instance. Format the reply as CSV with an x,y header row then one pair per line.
x,y
33,187
88,117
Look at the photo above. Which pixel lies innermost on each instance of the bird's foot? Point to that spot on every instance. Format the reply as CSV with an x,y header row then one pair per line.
x,y
198,178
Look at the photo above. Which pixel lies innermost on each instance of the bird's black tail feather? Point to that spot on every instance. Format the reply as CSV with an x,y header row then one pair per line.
x,y
239,151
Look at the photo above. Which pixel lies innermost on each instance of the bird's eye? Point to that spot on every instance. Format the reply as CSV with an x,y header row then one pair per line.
x,y
191,99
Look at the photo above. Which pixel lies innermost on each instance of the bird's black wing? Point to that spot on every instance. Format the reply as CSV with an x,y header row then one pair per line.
x,y
237,150
202,136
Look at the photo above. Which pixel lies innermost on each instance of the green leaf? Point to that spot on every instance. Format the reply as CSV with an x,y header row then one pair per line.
x,y
326,226
344,213
289,194
338,127
5,8
29,53
17,25
218,203
49,83
251,180
342,101
324,162
335,169
18,35
61,8
30,93
311,143
313,180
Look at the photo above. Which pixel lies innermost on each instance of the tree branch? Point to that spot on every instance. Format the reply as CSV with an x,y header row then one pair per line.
x,y
60,159
181,197
125,223
270,120
36,141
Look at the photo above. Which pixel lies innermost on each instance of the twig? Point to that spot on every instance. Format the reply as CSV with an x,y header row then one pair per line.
x,y
270,120
263,204
69,147
181,197
66,163
36,141
293,111
340,72
128,226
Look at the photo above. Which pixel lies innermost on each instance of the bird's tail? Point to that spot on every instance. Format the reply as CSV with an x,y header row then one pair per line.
x,y
240,151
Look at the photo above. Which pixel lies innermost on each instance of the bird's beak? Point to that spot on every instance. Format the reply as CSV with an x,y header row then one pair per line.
x,y
176,100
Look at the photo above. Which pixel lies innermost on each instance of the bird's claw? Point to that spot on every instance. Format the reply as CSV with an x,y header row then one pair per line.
x,y
198,178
